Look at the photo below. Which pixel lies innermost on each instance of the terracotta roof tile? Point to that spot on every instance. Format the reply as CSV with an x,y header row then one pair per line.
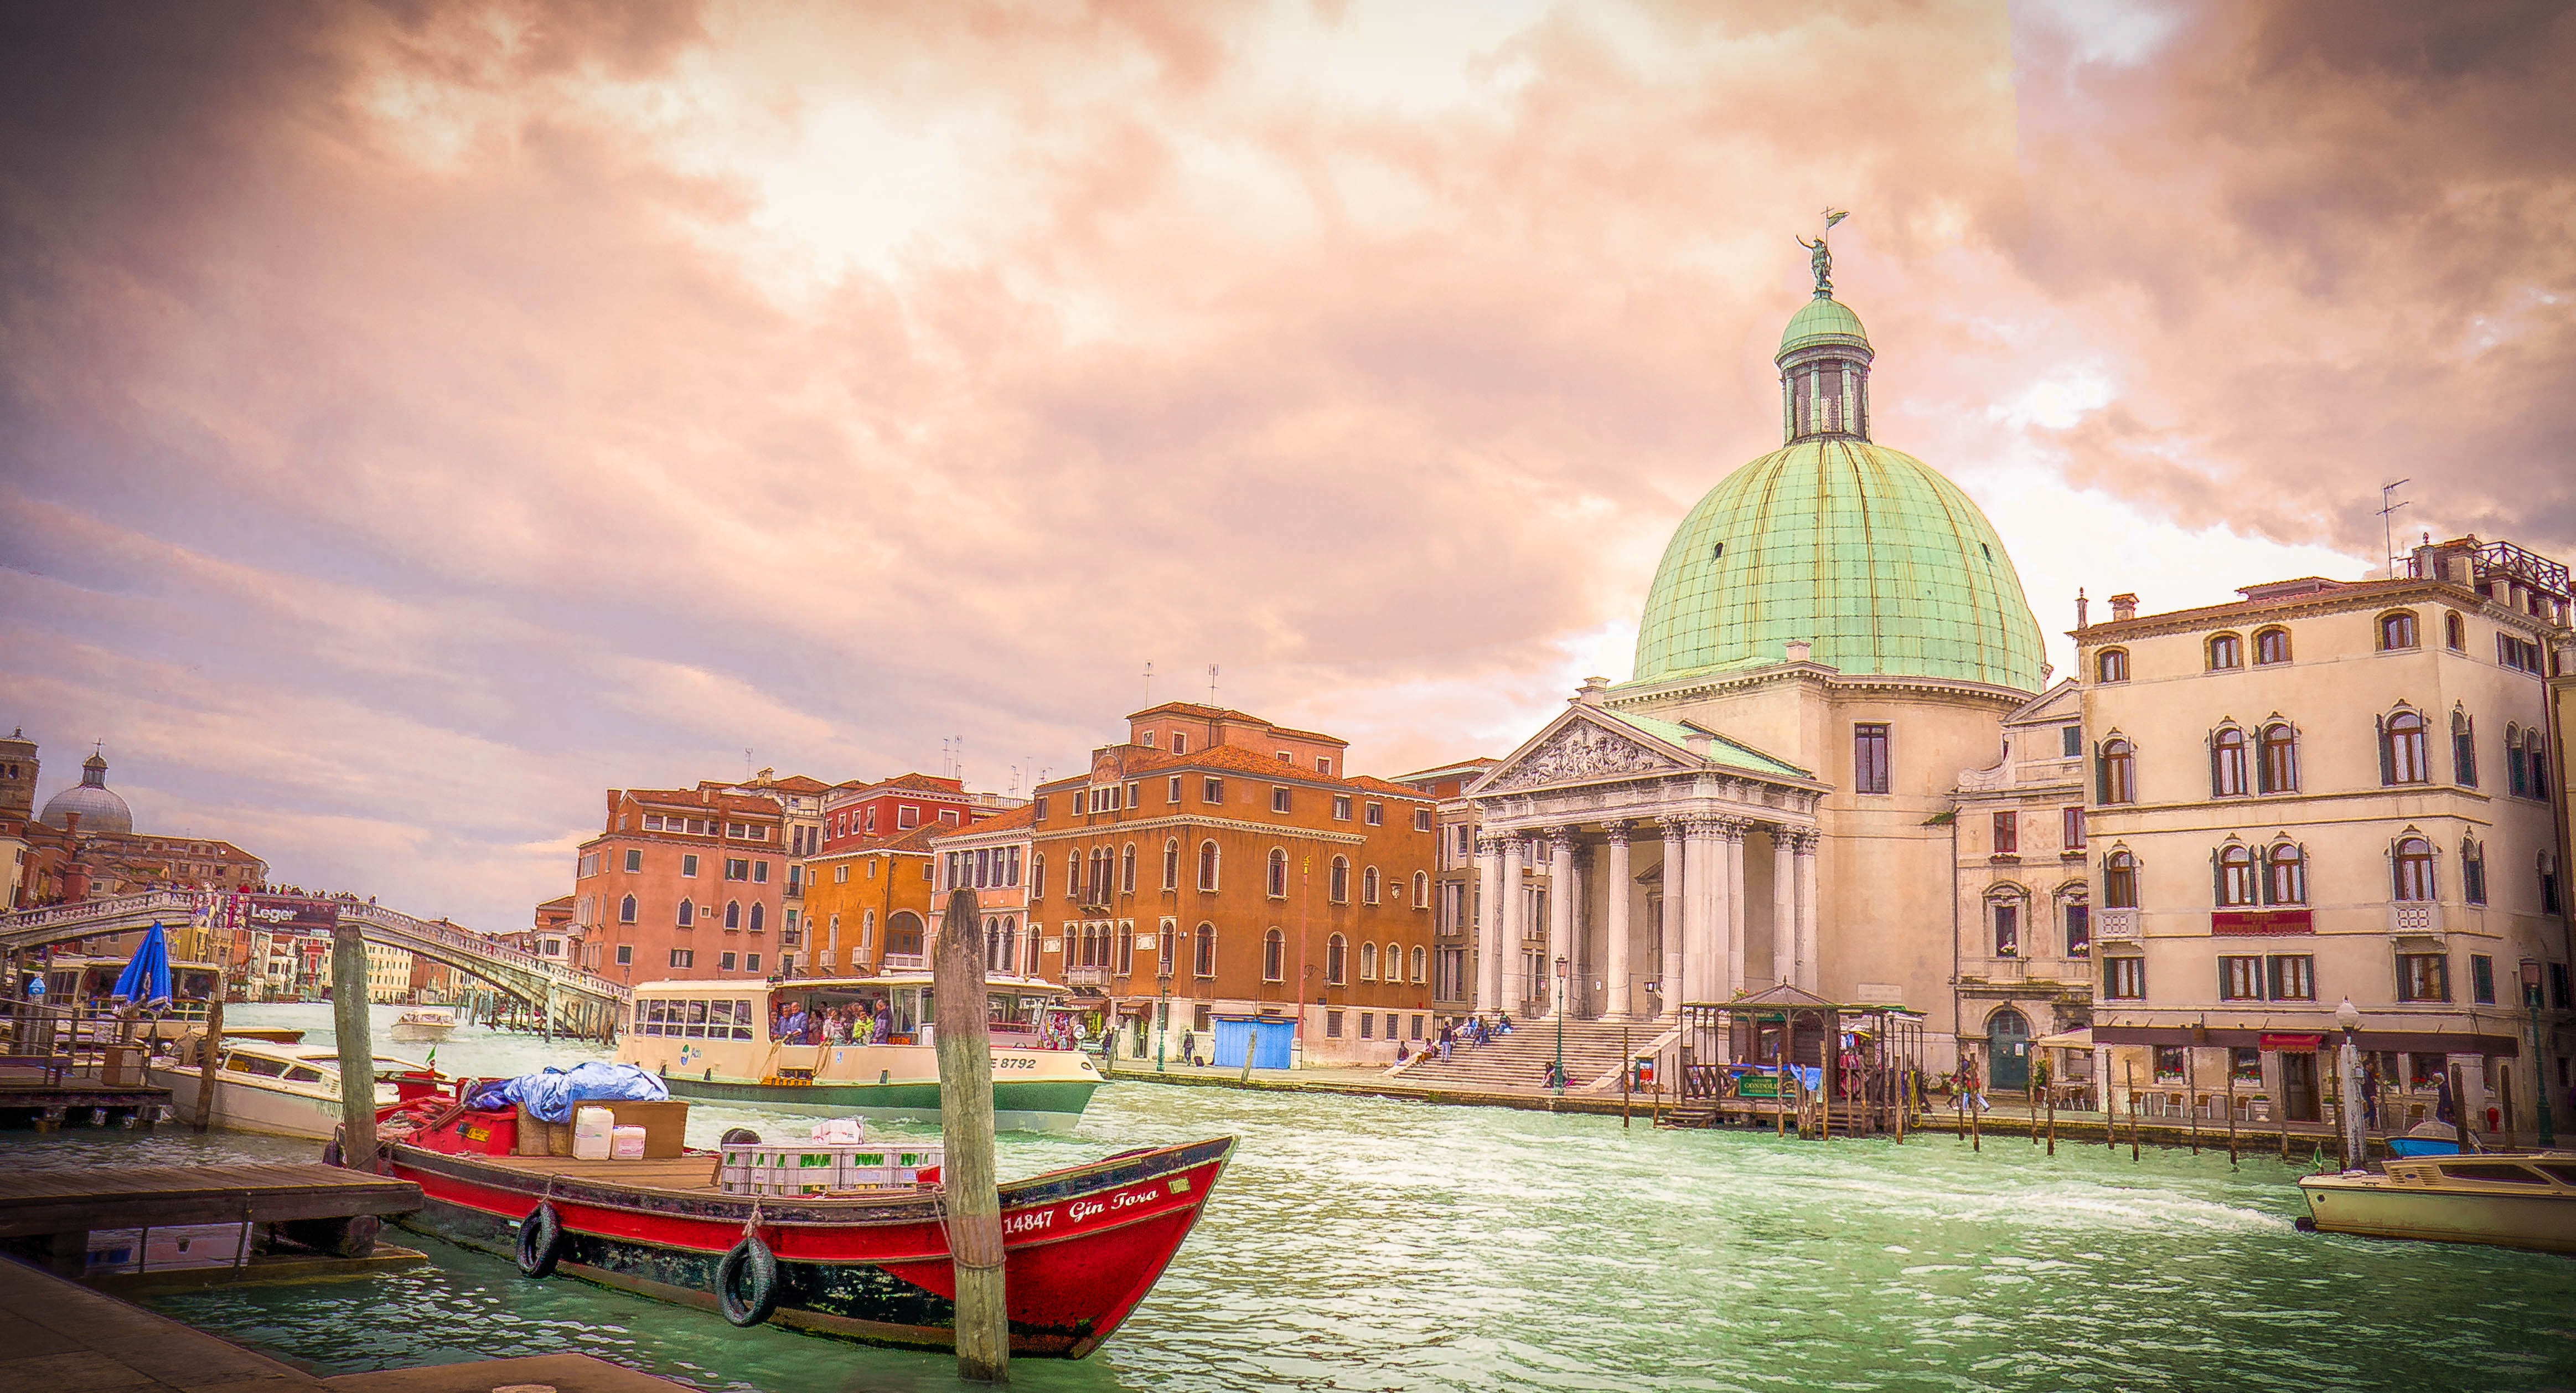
x,y
1137,762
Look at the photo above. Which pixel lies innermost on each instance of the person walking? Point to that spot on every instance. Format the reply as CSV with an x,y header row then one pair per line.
x,y
1189,1046
1971,1088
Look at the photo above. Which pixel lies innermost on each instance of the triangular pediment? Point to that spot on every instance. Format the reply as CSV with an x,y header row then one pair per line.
x,y
1578,749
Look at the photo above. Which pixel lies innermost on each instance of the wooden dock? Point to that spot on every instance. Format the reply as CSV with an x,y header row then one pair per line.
x,y
330,1210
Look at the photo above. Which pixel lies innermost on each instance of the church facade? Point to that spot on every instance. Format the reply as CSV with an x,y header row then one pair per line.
x,y
1834,634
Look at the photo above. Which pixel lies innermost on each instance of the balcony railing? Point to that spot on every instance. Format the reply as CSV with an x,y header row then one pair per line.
x,y
2415,917
1086,976
2117,925
903,962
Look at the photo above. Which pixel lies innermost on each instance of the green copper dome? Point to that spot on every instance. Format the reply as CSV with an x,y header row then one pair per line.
x,y
1822,320
1868,554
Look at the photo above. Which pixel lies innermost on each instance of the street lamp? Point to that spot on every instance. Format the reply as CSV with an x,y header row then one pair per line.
x,y
2539,1079
1561,966
1162,1014
2349,1018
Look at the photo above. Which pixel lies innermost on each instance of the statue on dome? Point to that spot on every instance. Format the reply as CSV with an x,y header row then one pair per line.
x,y
1822,261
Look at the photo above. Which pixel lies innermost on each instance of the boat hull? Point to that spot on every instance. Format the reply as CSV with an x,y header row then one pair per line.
x,y
416,1034
1033,1105
2340,1204
1081,1246
243,1107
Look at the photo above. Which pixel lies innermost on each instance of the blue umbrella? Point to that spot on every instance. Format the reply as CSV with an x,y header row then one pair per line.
x,y
146,979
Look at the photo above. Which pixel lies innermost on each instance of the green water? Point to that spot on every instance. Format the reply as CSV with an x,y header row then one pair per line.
x,y
1358,1244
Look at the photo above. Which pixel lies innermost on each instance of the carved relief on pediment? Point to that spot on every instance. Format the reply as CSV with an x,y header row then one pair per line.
x,y
1579,752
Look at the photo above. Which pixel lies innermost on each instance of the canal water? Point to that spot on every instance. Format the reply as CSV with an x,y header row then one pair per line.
x,y
1364,1245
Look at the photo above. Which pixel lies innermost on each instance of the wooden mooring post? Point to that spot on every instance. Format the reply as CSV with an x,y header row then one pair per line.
x,y
966,1124
1627,1074
2191,1096
2052,1122
357,1040
1976,1135
2129,1072
206,1057
2231,1111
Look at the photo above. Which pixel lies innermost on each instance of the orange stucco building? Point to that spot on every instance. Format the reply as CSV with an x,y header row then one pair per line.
x,y
682,883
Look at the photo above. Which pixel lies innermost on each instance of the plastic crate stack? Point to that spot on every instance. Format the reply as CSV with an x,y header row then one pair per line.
x,y
819,1168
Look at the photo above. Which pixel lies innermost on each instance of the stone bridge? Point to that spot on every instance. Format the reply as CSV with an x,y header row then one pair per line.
x,y
524,976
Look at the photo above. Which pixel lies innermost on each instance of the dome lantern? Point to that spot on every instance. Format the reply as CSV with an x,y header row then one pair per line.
x,y
1824,361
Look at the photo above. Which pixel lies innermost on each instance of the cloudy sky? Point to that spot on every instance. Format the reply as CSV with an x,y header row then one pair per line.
x,y
417,418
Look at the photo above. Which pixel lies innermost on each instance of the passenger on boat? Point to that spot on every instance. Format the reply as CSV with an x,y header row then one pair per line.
x,y
836,1026
881,1029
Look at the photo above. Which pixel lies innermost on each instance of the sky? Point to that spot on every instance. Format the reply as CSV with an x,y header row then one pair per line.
x,y
416,418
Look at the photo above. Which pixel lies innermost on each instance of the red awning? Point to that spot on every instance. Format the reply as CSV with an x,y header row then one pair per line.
x,y
2294,1044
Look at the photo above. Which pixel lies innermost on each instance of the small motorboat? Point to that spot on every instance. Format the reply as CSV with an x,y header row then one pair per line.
x,y
284,1090
2514,1199
1081,1246
424,1023
2427,1139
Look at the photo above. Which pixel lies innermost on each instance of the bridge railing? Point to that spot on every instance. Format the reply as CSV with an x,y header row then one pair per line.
x,y
476,945
180,902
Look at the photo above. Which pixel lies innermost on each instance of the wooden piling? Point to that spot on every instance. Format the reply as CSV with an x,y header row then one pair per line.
x,y
1627,1071
966,1124
1976,1134
2231,1112
211,1047
2052,1122
2129,1073
357,1047
2191,1096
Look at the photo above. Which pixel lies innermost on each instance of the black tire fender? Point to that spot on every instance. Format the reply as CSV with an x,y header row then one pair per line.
x,y
747,1282
540,1241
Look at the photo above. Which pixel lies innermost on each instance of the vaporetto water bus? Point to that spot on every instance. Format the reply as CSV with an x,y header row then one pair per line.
x,y
717,1042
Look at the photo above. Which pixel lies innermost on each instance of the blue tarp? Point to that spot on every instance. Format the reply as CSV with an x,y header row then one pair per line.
x,y
146,979
550,1093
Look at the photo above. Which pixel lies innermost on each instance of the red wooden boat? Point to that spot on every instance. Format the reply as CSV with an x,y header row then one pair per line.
x,y
1081,1245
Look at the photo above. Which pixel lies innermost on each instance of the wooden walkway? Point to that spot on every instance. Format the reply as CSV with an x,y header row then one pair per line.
x,y
65,1205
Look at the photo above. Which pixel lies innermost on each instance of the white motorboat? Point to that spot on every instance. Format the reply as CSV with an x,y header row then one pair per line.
x,y
424,1023
282,1090
2516,1199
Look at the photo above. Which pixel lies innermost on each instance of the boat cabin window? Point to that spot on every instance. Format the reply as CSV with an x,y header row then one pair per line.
x,y
254,1064
2494,1171
2564,1175
698,1018
303,1074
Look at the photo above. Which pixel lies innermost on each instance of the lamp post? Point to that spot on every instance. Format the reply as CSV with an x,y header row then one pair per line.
x,y
1559,1079
2539,1078
2347,1065
1162,1013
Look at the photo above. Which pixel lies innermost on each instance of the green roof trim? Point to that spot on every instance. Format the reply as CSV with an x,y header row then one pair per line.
x,y
1723,749
1870,555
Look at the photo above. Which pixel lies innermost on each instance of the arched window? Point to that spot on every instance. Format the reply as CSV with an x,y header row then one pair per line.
x,y
1421,964
2271,646
759,912
1338,888
1037,876
2227,763
2517,775
2401,749
1127,870
2464,750
1171,863
1278,882
2111,665
688,914
1207,865
2278,767
2115,778
1336,966
626,910
1368,885
1421,889
2455,634
2120,881
733,914
1274,956
2535,753
2235,876
2414,867
1203,950
1167,949
1368,962
2285,874
993,944
2396,630
2226,651
2473,871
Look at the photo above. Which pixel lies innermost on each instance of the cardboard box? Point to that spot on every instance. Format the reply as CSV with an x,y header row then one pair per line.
x,y
538,1137
665,1129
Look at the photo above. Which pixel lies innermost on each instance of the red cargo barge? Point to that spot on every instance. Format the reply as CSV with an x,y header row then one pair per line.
x,y
1081,1245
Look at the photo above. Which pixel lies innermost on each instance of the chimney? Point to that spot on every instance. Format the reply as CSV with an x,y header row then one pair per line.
x,y
1699,742
1798,649
2124,607
1589,694
2081,606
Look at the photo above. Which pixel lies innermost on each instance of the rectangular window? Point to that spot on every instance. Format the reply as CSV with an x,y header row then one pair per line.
x,y
907,816
625,954
1332,1025
1869,758
2007,930
2562,992
724,962
1278,799
2007,834
1374,814
2072,829
652,822
760,873
1172,790
1341,808
634,860
1368,1025
689,866
683,957
2291,977
1211,790
1037,810
1323,764
2124,979
2240,979
2482,979
2169,1064
841,874
2079,930
2070,742
2423,977
735,868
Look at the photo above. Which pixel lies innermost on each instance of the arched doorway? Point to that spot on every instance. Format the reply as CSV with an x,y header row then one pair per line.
x,y
2007,1050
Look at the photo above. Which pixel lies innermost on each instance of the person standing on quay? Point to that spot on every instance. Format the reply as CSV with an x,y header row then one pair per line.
x,y
1971,1090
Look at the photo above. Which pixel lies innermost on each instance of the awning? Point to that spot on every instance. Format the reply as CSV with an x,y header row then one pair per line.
x,y
2294,1044
2078,1039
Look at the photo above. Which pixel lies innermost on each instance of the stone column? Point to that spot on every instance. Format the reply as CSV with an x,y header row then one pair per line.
x,y
1507,918
1620,1006
1730,840
1785,944
1675,891
1703,956
1811,972
1487,915
1560,912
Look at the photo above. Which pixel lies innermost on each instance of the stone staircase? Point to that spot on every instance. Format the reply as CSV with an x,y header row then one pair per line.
x,y
1519,1061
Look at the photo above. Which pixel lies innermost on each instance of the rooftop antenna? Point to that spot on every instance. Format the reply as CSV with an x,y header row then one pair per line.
x,y
2388,506
959,773
746,764
1211,684
1149,682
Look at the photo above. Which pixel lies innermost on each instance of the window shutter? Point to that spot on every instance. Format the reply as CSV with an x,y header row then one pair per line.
x,y
2387,753
2217,877
2101,775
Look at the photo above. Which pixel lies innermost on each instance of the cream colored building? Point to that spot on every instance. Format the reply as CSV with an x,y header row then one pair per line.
x,y
1834,633
2024,901
388,973
2328,791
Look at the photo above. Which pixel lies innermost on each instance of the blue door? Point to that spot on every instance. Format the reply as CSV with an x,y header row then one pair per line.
x,y
1270,1044
1267,1039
